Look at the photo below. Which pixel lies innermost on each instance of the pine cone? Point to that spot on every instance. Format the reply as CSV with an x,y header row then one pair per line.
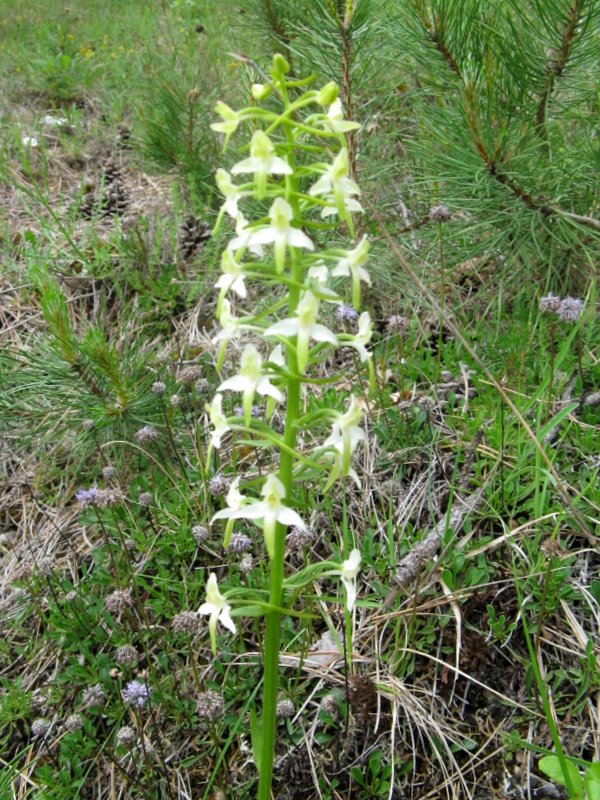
x,y
115,200
193,233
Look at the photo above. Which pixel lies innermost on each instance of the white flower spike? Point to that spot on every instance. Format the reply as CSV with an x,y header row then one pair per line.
x,y
218,610
348,573
251,380
280,233
270,511
262,162
352,264
304,327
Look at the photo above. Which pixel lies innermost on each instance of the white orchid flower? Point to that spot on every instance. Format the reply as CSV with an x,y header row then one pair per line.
x,y
230,192
217,420
235,500
280,233
251,380
335,182
351,205
335,121
363,337
276,356
348,573
270,511
232,278
244,234
262,162
303,326
346,435
231,120
231,326
218,610
352,264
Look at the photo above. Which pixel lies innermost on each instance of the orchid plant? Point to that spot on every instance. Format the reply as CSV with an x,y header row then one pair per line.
x,y
298,168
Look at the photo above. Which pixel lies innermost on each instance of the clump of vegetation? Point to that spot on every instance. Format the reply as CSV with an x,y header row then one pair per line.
x,y
427,569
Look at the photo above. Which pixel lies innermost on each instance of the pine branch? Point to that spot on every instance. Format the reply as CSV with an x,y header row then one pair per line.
x,y
557,64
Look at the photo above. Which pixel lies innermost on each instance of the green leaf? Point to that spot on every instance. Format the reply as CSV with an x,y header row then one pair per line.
x,y
592,781
256,735
551,766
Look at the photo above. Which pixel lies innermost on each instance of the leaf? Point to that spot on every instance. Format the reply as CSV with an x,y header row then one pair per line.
x,y
551,766
257,737
592,781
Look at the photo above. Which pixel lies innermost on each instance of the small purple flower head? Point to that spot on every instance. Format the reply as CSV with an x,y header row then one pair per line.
x,y
109,472
239,543
239,411
346,314
73,723
219,485
88,424
88,497
145,499
136,693
158,387
210,705
117,601
570,309
549,304
146,434
175,400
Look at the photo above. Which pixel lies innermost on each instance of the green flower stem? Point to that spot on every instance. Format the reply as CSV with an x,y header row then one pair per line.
x,y
286,472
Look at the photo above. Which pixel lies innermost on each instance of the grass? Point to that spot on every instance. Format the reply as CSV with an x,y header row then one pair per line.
x,y
474,644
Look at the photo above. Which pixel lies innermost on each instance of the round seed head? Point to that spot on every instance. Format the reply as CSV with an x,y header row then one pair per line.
x,y
146,434
93,696
40,727
117,601
126,655
200,533
440,213
126,736
145,499
158,387
186,622
108,472
73,723
550,303
210,705
397,324
285,709
246,564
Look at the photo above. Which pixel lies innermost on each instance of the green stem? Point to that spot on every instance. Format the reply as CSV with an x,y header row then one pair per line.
x,y
286,472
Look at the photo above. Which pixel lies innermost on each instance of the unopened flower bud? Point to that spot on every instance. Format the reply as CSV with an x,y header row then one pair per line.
x,y
280,66
328,94
260,91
